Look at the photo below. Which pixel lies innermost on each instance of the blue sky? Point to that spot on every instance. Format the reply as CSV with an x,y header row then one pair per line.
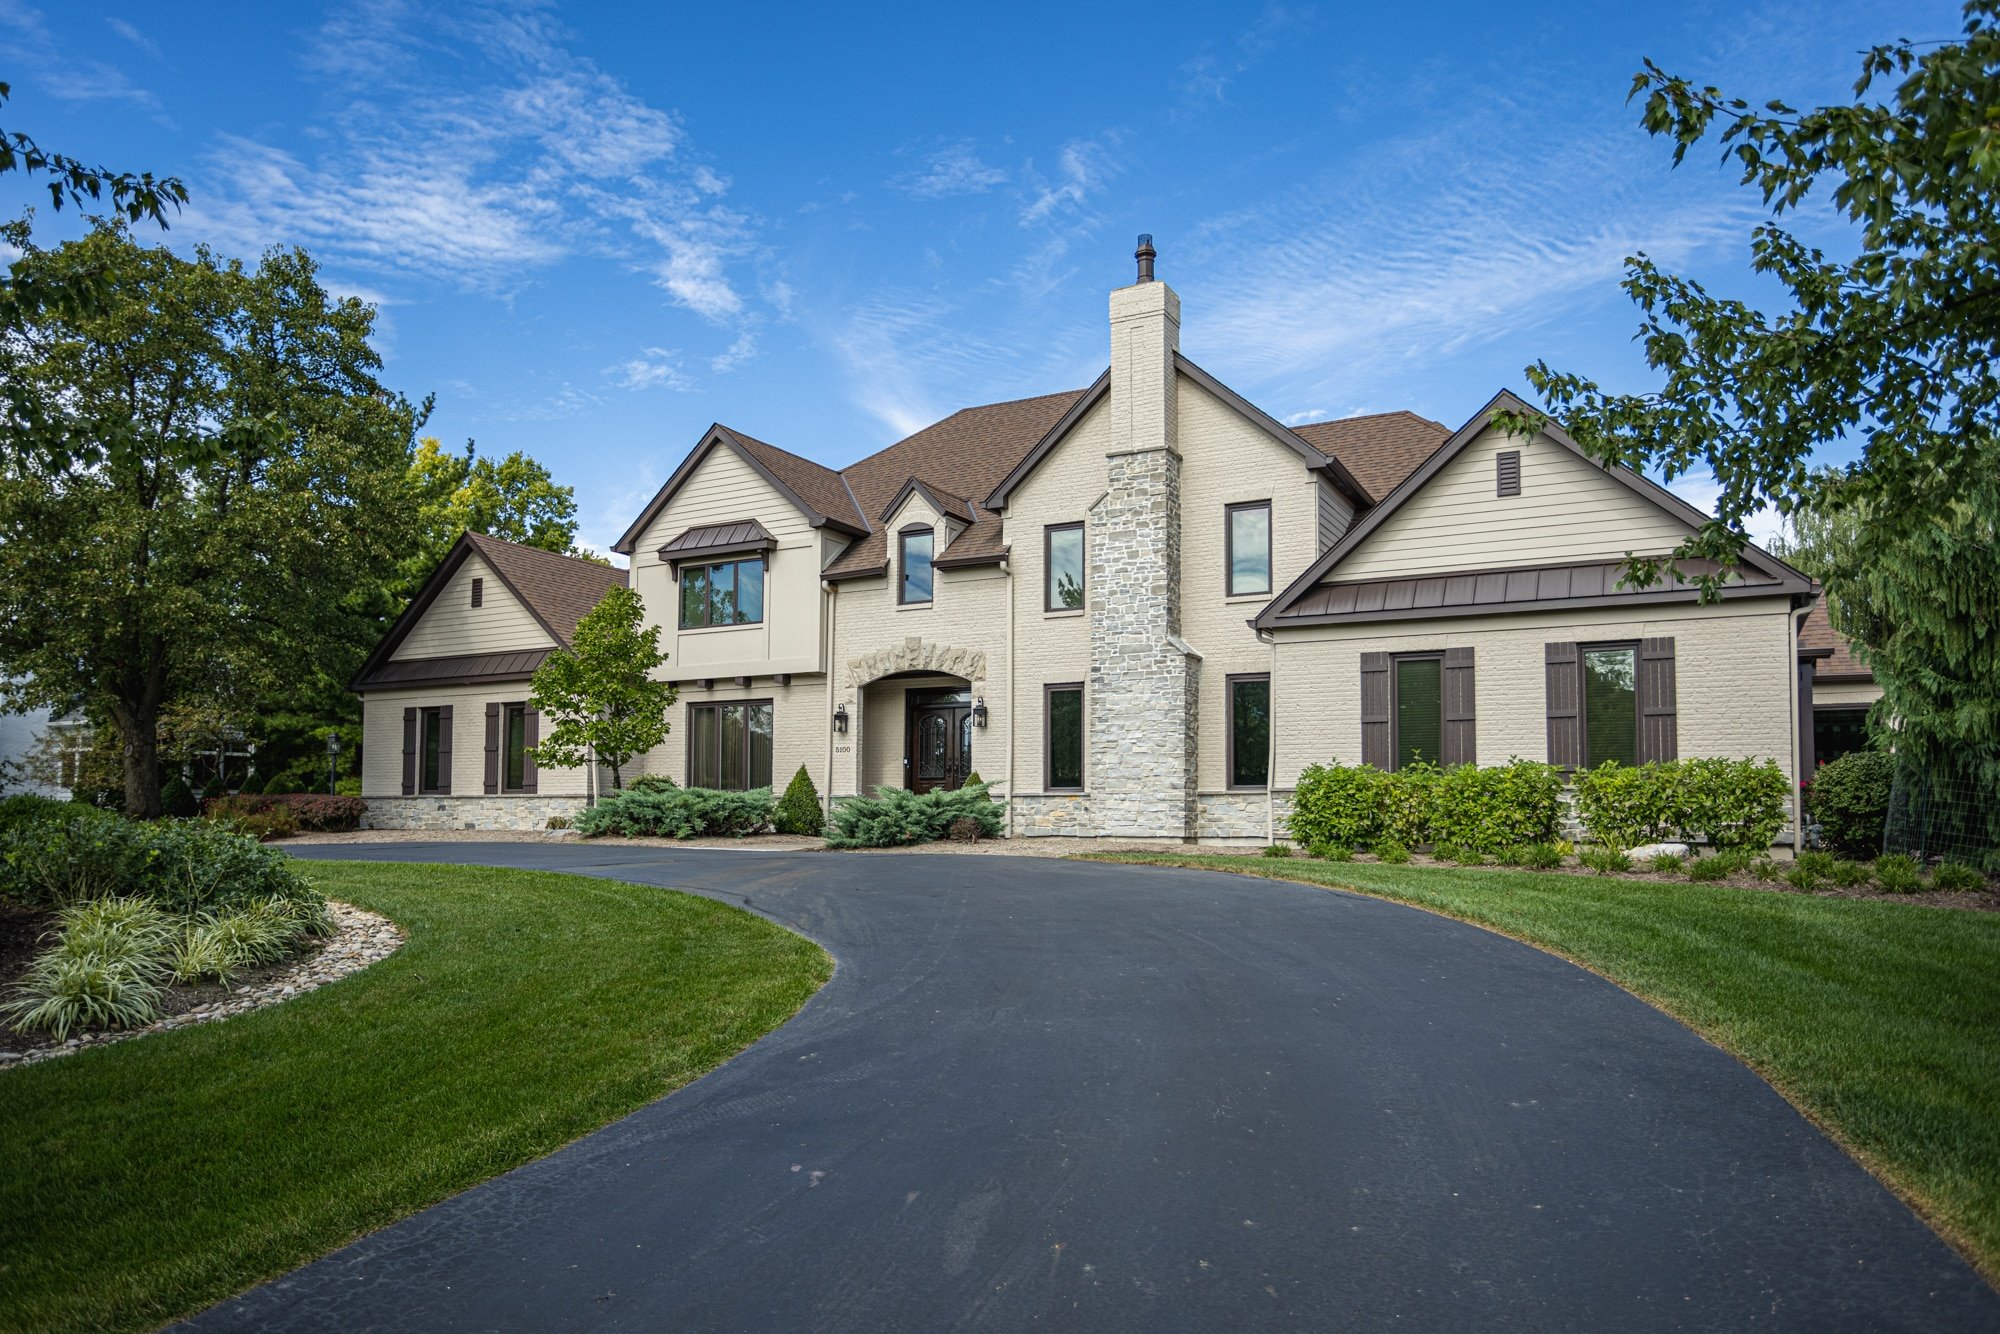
x,y
591,231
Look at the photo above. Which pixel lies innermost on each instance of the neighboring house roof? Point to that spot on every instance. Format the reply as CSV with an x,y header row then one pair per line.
x,y
1835,651
1770,575
556,590
1380,449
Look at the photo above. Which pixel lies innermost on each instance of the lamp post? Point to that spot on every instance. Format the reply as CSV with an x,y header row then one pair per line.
x,y
332,762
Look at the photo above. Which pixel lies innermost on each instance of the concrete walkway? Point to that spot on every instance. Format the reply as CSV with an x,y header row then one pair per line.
x,y
1079,1096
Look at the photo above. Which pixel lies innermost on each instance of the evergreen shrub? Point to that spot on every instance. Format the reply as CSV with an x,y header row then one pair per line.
x,y
1849,797
798,811
679,812
895,817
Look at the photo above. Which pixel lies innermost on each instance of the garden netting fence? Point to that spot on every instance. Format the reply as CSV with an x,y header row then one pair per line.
x,y
1937,816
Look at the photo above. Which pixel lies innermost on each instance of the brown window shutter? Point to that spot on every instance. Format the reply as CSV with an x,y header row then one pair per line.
x,y
1564,705
1460,743
492,749
1375,709
534,735
409,752
1659,723
444,750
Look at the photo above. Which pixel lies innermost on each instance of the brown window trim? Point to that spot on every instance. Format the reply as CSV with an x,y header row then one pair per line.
x,y
1048,751
506,708
427,718
771,703
680,578
1049,532
903,537
1229,732
1583,708
1229,550
1395,698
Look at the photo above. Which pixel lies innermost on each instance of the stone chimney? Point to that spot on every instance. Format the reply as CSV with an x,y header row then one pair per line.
x,y
1144,682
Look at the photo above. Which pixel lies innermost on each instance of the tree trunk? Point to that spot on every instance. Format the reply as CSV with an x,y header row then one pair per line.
x,y
617,783
139,728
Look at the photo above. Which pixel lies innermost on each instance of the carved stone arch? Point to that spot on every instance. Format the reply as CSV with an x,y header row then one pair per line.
x,y
916,654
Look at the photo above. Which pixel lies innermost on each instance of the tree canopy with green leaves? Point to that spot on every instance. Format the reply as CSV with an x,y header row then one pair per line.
x,y
197,560
600,693
515,499
1889,346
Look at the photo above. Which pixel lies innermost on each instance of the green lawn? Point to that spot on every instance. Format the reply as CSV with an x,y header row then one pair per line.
x,y
1881,1021
146,1180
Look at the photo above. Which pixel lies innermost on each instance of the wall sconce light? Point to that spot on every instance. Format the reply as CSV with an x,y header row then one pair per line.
x,y
979,712
840,719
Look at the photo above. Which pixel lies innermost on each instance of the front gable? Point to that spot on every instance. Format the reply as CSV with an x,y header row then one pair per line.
x,y
717,486
449,625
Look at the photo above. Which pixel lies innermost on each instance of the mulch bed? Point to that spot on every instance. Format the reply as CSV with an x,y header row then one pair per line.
x,y
1969,900
21,932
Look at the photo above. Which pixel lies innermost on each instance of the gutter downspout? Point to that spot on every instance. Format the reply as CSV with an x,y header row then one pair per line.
x,y
1795,623
1012,696
1271,742
826,717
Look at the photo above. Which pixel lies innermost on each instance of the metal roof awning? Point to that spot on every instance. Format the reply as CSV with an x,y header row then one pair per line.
x,y
464,669
718,539
1533,588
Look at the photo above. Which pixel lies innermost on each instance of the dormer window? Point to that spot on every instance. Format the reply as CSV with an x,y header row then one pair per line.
x,y
915,548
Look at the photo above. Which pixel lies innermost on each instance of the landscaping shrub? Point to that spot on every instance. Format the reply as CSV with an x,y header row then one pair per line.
x,y
1801,876
1392,852
1604,860
1277,850
1541,856
1728,803
26,808
559,822
1710,868
965,829
1850,875
1898,874
1820,864
1957,876
678,812
181,865
973,780
1331,852
177,799
1452,852
1849,797
1338,804
1666,863
320,812
798,811
652,783
895,817
1409,795
105,968
1764,868
1486,810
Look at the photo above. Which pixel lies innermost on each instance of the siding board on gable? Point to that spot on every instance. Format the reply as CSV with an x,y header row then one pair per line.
x,y
1568,510
453,626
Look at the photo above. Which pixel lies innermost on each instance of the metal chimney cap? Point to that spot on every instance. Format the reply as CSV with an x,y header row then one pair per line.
x,y
1145,254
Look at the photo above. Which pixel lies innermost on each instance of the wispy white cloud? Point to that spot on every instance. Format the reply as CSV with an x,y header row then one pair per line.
x,y
949,170
471,145
1203,80
1083,167
56,72
134,36
742,350
653,368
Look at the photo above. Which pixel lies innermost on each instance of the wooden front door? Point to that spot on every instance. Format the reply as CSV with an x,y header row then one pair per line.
x,y
940,740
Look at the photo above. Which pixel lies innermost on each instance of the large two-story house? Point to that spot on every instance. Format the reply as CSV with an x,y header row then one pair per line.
x,y
1138,608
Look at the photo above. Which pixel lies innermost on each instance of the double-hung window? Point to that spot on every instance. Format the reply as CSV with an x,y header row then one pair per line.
x,y
1249,731
1062,552
729,592
914,548
729,745
1247,547
1062,719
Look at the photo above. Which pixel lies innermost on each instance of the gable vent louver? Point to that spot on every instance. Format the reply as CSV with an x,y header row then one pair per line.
x,y
1508,472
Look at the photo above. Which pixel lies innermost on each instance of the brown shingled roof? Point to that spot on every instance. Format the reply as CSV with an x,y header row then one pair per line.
x,y
1817,632
558,590
815,483
976,448
1380,449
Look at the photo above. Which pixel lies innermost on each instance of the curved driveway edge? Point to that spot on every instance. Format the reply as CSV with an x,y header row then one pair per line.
x,y
1088,1096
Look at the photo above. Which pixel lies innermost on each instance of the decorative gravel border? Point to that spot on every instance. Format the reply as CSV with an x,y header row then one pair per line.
x,y
359,938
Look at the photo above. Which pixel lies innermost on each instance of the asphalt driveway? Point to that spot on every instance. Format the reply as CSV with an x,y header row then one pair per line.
x,y
1078,1096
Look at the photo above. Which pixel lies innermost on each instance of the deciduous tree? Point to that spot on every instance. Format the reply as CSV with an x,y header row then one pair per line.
x,y
600,693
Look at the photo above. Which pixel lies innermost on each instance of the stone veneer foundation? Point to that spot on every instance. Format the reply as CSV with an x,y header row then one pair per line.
x,y
480,812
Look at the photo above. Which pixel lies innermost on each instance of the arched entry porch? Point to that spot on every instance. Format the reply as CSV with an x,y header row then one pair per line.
x,y
912,721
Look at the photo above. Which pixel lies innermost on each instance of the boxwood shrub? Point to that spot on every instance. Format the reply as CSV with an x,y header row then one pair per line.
x,y
679,812
320,812
1850,799
1479,810
182,866
1727,803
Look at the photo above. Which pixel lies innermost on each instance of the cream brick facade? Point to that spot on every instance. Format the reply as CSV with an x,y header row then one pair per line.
x,y
1149,462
